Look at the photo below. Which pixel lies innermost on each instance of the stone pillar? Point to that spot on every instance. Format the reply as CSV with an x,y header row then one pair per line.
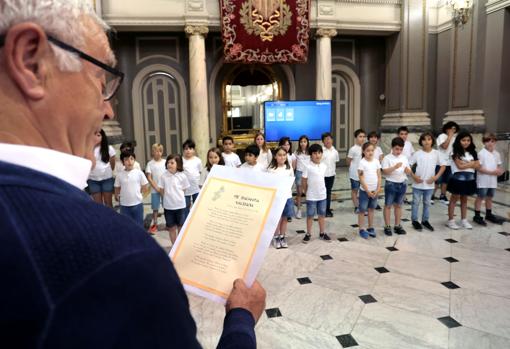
x,y
323,77
198,89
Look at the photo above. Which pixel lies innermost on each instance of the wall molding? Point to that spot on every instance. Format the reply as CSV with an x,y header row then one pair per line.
x,y
496,5
157,38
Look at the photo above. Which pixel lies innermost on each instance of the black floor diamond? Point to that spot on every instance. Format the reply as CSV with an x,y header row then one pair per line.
x,y
507,249
347,341
451,241
451,259
326,257
300,231
273,312
405,220
304,281
354,225
450,285
367,299
382,270
449,322
340,201
504,233
392,249
343,239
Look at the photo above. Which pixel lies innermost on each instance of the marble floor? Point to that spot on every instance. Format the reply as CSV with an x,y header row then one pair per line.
x,y
441,289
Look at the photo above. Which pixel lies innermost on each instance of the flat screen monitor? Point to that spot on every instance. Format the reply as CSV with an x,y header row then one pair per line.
x,y
296,118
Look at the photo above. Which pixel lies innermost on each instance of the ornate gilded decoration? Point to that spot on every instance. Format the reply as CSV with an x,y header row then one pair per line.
x,y
265,18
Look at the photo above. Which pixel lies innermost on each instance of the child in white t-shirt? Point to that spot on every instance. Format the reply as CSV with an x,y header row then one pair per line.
x,y
329,157
425,175
119,166
286,144
353,159
130,184
444,147
230,157
302,160
192,166
403,132
213,158
280,166
100,181
487,179
395,166
172,185
373,137
265,155
369,173
251,154
154,169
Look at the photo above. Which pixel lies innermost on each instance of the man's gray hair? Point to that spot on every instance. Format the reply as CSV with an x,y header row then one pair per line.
x,y
62,19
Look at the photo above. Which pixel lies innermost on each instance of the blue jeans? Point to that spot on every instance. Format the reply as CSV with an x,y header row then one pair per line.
x,y
418,195
134,212
313,207
366,202
189,199
394,193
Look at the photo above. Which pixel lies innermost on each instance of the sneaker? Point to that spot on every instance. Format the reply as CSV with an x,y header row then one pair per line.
x,y
363,233
407,202
283,241
378,208
325,237
479,220
427,225
387,230
356,210
443,199
432,199
371,232
417,226
399,230
329,214
277,243
452,225
306,239
153,229
465,224
289,219
298,213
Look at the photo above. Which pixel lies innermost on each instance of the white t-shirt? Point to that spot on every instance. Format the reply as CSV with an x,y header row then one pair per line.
x,y
155,169
291,158
355,154
330,157
316,187
265,158
231,160
174,185
102,170
445,154
192,169
130,183
256,167
399,175
378,152
467,157
488,161
302,160
426,163
119,167
370,176
408,149
286,172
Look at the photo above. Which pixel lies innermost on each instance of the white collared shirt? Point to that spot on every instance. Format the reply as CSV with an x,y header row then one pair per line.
x,y
69,168
330,157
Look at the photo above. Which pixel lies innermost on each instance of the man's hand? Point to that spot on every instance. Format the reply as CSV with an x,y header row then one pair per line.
x,y
252,299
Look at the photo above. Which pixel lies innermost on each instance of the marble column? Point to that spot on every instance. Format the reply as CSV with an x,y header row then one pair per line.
x,y
198,89
323,77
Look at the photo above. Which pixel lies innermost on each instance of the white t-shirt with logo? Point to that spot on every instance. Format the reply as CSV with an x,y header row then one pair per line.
x,y
155,169
285,172
330,157
174,185
370,176
102,170
426,163
398,175
316,187
130,183
445,154
355,154
231,160
467,157
302,160
192,168
489,161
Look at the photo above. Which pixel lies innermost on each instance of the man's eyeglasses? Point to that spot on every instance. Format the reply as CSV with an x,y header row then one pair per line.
x,y
113,77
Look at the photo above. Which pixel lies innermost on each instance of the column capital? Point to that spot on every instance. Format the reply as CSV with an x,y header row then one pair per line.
x,y
326,32
196,30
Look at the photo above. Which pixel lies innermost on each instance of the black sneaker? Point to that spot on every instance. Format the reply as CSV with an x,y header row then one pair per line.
x,y
387,230
324,236
378,208
427,225
479,220
306,239
329,214
399,230
289,219
417,226
407,202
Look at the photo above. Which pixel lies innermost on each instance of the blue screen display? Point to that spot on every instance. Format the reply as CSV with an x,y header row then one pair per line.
x,y
296,118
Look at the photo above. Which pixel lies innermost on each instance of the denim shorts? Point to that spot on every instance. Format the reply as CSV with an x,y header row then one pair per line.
x,y
298,176
394,193
288,210
104,186
445,177
174,217
155,201
366,202
485,192
316,206
354,184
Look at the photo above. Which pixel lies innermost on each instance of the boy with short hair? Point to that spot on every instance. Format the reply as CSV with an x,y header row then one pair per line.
x,y
154,169
487,179
373,138
192,166
315,189
353,158
229,155
329,157
444,145
251,153
395,166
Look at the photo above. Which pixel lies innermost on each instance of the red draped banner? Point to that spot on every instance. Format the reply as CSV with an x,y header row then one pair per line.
x,y
265,31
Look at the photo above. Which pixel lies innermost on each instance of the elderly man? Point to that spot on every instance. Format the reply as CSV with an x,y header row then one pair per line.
x,y
76,274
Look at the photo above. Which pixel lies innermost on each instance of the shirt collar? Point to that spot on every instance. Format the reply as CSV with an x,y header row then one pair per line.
x,y
69,168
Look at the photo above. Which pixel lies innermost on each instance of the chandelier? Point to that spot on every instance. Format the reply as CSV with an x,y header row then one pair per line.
x,y
461,9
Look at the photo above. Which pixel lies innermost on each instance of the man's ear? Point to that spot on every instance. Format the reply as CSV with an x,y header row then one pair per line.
x,y
25,48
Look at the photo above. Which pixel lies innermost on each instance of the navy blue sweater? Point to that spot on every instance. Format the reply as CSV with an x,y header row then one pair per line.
x,y
78,275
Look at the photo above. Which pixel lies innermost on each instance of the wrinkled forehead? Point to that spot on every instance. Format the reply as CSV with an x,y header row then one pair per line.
x,y
96,42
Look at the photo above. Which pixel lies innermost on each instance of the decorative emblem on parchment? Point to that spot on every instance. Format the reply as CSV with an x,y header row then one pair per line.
x,y
265,18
